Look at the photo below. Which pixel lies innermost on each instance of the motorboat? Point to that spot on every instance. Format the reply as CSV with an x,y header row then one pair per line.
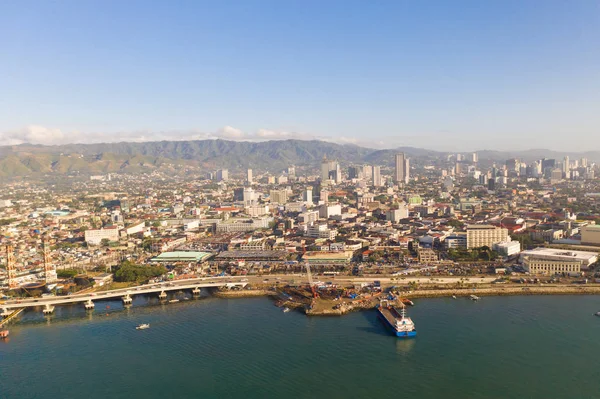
x,y
142,327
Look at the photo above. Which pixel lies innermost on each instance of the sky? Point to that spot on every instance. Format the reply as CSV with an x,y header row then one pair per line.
x,y
444,75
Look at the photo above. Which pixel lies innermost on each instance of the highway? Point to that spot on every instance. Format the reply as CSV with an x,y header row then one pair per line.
x,y
213,282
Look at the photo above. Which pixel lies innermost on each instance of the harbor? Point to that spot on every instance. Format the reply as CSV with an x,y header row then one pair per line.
x,y
206,338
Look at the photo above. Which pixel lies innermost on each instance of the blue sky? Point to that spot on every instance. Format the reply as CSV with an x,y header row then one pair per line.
x,y
450,75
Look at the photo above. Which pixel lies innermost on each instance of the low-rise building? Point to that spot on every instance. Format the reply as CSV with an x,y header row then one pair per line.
x,y
95,236
551,261
508,248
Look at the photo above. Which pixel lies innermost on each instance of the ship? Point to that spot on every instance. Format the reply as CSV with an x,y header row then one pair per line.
x,y
397,321
4,334
142,326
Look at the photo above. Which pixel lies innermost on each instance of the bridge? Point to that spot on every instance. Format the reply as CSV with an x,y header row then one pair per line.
x,y
125,294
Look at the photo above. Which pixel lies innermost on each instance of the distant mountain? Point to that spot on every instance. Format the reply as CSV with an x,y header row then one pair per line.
x,y
27,159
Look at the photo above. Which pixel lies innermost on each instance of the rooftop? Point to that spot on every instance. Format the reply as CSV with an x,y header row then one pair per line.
x,y
182,256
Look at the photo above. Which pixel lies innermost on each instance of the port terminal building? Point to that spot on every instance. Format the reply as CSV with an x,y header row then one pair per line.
x,y
550,261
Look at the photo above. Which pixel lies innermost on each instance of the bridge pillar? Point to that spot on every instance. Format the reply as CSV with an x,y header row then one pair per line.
x,y
196,291
127,300
162,295
89,305
48,309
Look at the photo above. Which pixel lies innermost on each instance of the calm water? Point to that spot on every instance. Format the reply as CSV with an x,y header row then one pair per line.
x,y
505,347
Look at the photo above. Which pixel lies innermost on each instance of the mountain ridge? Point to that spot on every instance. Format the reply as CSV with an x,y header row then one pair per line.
x,y
274,155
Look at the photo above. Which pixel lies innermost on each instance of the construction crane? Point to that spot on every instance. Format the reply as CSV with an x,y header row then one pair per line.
x,y
310,281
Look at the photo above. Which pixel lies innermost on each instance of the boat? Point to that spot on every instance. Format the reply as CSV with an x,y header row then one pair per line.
x,y
4,334
453,296
474,297
174,301
142,326
597,314
286,309
397,321
407,301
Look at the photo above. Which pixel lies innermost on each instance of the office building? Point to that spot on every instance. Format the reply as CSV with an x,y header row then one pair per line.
x,y
376,176
354,172
278,196
249,176
402,169
307,197
481,235
222,175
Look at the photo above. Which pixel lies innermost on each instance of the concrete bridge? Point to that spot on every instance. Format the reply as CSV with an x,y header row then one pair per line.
x,y
125,294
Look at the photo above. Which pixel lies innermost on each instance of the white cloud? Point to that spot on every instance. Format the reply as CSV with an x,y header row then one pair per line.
x,y
36,134
230,132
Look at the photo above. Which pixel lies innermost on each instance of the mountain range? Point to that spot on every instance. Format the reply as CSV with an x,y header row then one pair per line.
x,y
274,156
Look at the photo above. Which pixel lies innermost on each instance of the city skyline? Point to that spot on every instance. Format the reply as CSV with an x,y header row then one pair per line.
x,y
397,74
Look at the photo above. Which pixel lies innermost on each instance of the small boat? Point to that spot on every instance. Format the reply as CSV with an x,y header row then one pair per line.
x,y
407,301
597,314
474,297
453,296
174,301
286,309
4,334
142,326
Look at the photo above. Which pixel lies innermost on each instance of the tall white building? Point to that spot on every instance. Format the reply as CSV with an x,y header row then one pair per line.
x,y
566,166
402,169
249,176
307,197
376,176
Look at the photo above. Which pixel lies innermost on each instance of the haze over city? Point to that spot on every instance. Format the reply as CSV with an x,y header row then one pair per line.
x,y
482,75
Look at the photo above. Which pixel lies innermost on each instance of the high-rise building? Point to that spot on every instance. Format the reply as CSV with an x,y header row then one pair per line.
x,y
474,157
330,170
278,196
566,166
222,175
376,176
354,172
325,169
367,171
249,176
402,169
291,171
308,196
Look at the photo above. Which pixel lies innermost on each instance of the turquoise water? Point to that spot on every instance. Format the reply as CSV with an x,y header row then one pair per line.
x,y
503,347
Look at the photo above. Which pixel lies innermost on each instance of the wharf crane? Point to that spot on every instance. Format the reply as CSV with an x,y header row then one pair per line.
x,y
310,281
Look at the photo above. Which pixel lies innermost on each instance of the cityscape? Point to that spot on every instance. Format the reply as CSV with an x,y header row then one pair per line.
x,y
421,228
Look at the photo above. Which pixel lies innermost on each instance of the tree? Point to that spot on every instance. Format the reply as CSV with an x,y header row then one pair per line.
x,y
129,271
105,242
